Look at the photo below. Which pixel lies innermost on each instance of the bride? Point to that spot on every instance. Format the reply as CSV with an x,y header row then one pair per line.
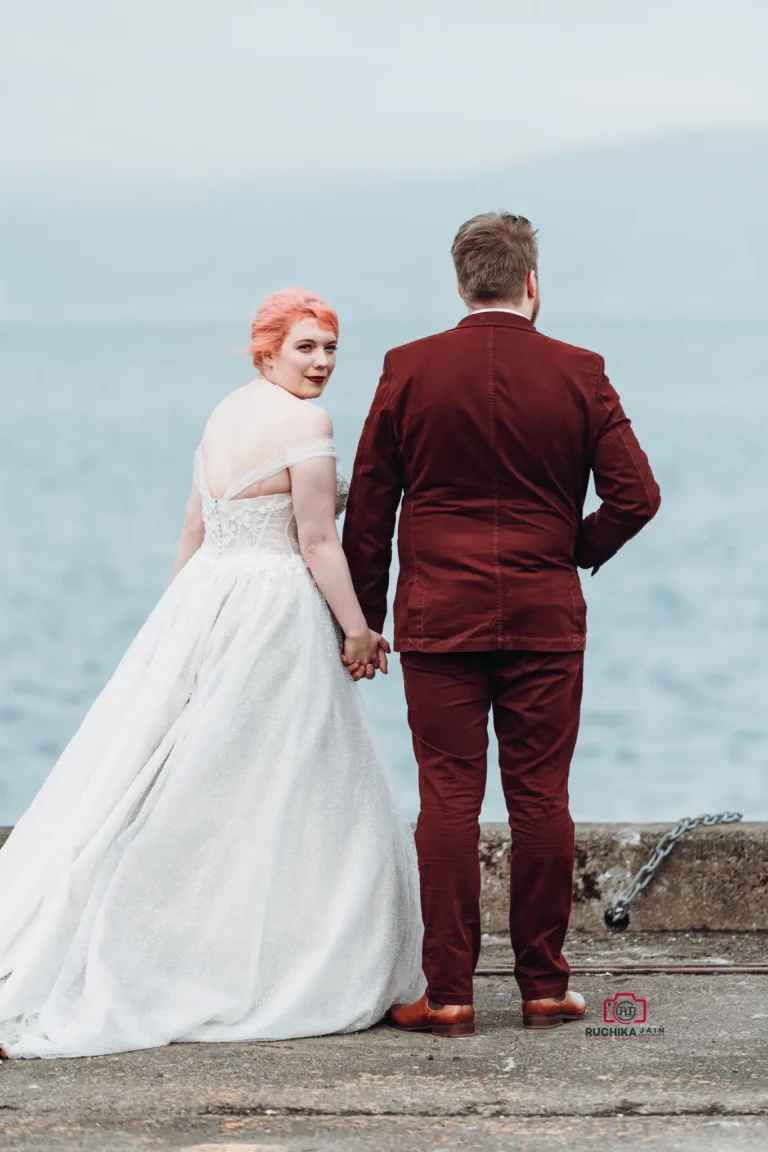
x,y
218,854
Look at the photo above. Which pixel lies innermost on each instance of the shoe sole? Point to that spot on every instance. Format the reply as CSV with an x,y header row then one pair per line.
x,y
550,1021
448,1030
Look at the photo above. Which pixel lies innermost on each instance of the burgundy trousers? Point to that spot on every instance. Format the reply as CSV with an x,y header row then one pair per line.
x,y
535,699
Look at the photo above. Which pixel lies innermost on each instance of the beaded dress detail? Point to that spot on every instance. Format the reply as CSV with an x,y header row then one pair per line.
x,y
218,854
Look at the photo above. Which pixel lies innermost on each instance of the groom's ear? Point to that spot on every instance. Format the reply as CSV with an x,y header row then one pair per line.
x,y
458,289
532,284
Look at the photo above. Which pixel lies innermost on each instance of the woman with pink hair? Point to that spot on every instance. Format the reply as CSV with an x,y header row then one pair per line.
x,y
218,854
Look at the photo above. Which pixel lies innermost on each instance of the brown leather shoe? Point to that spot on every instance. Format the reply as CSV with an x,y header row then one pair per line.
x,y
552,1011
446,1020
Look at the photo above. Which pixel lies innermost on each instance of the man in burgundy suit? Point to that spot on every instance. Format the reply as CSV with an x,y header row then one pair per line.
x,y
489,433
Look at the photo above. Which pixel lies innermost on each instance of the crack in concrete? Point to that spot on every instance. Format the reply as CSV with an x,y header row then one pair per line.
x,y
490,1111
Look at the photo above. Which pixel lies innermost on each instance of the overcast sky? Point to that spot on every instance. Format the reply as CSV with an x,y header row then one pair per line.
x,y
220,88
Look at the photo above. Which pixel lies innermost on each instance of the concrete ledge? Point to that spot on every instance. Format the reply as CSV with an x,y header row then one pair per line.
x,y
715,879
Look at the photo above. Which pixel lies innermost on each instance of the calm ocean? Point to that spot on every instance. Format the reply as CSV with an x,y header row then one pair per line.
x,y
98,431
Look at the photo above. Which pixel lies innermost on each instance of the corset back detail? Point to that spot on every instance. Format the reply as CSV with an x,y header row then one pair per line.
x,y
266,524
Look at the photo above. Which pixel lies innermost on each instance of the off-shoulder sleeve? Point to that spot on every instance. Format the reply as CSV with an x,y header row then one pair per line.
x,y
308,450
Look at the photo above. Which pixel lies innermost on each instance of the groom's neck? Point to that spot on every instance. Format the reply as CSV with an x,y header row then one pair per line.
x,y
524,307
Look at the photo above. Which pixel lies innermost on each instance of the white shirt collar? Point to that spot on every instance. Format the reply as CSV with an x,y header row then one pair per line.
x,y
513,311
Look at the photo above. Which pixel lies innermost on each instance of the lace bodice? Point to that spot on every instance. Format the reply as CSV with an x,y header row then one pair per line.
x,y
265,523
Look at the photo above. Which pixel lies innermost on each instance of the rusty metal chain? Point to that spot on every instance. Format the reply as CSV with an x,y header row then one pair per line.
x,y
617,916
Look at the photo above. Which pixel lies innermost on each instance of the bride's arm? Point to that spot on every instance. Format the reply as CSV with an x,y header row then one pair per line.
x,y
313,484
192,532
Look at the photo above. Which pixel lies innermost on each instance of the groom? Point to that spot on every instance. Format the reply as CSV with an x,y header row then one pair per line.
x,y
489,432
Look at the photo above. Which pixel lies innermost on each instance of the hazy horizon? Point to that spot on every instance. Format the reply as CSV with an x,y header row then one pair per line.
x,y
182,181
677,223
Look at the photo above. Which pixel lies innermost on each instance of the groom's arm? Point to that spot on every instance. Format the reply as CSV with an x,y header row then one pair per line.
x,y
623,482
369,524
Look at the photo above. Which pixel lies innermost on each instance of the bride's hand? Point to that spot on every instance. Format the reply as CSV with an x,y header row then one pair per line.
x,y
366,654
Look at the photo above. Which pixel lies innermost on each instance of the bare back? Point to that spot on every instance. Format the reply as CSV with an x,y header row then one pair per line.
x,y
252,426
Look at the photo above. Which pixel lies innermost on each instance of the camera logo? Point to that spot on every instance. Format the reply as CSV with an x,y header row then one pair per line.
x,y
624,1008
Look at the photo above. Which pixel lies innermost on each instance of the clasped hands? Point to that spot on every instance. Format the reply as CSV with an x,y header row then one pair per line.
x,y
365,655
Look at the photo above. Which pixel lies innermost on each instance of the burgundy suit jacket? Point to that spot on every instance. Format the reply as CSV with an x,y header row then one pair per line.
x,y
489,432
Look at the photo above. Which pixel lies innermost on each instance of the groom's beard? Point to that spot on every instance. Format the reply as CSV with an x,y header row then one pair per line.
x,y
536,306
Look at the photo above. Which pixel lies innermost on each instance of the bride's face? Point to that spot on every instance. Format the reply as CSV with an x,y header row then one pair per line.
x,y
305,362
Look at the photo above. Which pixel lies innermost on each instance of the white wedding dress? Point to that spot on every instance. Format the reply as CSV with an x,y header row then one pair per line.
x,y
218,854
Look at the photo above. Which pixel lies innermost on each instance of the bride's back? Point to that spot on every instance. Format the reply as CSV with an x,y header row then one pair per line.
x,y
252,426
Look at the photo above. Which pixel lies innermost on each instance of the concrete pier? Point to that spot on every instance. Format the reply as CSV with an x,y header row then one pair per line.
x,y
701,1086
695,1078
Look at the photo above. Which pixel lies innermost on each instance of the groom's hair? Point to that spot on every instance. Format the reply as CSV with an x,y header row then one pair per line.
x,y
493,254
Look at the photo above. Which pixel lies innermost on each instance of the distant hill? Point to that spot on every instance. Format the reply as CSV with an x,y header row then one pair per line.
x,y
677,224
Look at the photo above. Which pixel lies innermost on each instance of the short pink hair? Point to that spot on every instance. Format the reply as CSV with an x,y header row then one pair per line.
x,y
279,313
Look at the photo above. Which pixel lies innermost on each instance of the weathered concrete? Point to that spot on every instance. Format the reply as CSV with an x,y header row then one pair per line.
x,y
716,878
708,1133
703,1085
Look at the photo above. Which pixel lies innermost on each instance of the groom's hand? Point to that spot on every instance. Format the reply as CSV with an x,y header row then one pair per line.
x,y
384,648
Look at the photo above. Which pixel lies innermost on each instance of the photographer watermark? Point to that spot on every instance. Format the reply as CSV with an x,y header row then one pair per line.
x,y
625,1017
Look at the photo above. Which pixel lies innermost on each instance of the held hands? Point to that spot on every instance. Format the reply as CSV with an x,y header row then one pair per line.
x,y
365,655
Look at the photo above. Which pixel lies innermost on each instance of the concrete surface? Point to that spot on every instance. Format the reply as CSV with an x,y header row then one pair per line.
x,y
716,878
702,1085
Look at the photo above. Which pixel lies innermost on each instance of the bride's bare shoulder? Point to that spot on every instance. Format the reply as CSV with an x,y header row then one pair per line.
x,y
231,407
313,421
285,413
306,419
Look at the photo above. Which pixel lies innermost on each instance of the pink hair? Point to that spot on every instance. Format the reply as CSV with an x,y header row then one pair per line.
x,y
279,313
